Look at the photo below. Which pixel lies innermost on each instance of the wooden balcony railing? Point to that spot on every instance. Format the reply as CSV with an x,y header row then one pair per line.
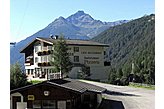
x,y
41,53
28,63
44,64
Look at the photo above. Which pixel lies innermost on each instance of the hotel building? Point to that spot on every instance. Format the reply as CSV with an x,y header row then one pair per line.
x,y
81,52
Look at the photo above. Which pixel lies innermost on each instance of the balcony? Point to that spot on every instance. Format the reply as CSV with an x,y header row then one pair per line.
x,y
27,64
44,64
41,53
29,61
43,50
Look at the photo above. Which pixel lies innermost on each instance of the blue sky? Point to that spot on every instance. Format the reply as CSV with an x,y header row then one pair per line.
x,y
29,16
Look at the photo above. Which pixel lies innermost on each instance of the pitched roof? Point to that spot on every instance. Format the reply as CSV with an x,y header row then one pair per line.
x,y
75,42
79,85
68,41
70,84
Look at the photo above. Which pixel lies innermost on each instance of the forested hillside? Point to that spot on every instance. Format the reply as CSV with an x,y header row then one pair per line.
x,y
132,50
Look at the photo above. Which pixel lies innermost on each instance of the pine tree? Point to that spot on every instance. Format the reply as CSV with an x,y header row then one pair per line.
x,y
17,77
60,57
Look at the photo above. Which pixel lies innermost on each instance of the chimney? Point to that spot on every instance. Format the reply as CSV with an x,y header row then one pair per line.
x,y
51,36
56,36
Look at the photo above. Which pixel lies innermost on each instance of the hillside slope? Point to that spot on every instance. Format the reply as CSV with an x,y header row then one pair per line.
x,y
130,44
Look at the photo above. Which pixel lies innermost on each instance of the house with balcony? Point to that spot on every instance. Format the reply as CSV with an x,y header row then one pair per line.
x,y
81,53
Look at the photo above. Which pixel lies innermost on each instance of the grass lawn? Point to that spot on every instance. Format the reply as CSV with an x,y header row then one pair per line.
x,y
35,81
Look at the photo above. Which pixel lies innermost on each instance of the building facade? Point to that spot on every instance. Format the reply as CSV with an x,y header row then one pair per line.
x,y
57,94
81,53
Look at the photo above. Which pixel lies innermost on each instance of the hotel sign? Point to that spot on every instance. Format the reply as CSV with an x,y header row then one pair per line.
x,y
31,97
84,52
91,60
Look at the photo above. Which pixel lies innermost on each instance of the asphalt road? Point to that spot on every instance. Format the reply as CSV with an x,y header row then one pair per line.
x,y
125,97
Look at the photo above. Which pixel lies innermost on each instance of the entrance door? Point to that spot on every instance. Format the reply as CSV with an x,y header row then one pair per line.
x,y
15,99
61,104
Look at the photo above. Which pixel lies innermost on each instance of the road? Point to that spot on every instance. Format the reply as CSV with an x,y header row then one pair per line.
x,y
125,97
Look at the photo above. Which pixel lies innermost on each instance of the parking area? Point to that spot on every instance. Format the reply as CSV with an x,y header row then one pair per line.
x,y
125,97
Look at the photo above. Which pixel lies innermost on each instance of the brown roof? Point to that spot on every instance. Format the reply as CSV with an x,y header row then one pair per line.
x,y
82,86
76,42
70,84
68,41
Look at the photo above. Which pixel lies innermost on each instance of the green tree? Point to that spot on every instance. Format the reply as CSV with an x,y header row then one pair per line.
x,y
17,77
84,72
112,76
126,69
60,57
119,73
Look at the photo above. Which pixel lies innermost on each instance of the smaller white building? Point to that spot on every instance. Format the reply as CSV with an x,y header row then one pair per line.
x,y
81,53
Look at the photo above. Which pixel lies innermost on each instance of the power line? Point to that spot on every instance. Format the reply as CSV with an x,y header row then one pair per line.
x,y
23,17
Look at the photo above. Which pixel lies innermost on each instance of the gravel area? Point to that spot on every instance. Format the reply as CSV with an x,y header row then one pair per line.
x,y
125,97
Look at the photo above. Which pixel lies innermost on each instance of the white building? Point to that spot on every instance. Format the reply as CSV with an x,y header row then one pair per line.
x,y
88,53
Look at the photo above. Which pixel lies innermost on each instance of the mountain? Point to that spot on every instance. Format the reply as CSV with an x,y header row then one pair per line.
x,y
132,44
77,26
89,26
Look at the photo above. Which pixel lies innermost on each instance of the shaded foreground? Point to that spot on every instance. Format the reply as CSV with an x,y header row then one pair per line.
x,y
111,104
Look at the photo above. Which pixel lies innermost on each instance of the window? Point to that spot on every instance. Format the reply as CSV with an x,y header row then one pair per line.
x,y
76,49
49,104
44,44
45,104
104,52
28,71
36,104
41,58
36,49
61,104
107,63
49,47
36,59
49,58
44,58
76,58
32,70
